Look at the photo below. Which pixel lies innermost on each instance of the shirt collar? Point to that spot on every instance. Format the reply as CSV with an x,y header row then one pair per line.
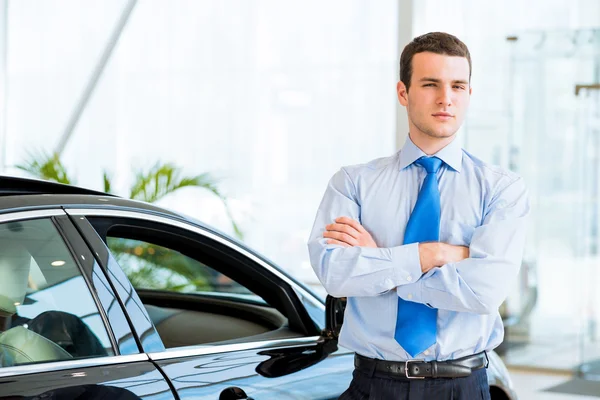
x,y
451,154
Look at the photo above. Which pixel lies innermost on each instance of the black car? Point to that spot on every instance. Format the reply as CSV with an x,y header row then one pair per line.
x,y
107,298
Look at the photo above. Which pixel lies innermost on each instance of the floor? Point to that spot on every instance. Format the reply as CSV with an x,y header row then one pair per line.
x,y
564,353
531,385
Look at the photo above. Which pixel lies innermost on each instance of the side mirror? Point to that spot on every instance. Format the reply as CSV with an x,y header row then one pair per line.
x,y
334,316
289,360
284,361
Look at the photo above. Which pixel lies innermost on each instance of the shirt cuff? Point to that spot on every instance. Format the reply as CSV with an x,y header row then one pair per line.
x,y
407,264
412,292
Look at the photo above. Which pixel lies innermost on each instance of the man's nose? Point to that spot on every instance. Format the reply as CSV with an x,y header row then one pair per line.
x,y
445,97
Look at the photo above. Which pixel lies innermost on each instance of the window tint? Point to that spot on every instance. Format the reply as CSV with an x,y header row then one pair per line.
x,y
191,303
150,266
46,310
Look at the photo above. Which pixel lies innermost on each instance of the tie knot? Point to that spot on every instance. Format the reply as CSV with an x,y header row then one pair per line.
x,y
431,164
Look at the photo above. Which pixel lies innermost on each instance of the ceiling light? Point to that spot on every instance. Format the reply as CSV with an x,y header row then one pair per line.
x,y
58,263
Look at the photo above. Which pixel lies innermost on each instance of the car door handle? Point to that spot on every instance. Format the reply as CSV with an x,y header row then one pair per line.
x,y
233,393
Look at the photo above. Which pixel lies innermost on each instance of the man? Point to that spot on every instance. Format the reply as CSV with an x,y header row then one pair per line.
x,y
424,244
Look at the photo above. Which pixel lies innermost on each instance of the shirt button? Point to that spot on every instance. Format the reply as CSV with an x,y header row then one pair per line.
x,y
409,296
409,278
426,352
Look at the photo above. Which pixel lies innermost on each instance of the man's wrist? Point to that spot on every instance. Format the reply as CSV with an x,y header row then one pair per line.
x,y
431,255
441,254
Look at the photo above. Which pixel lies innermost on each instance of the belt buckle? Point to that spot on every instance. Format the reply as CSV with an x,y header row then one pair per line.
x,y
406,368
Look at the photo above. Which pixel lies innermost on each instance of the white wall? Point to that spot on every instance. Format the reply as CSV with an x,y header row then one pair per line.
x,y
271,96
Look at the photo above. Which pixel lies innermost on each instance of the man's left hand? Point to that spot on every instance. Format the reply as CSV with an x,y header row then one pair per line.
x,y
348,233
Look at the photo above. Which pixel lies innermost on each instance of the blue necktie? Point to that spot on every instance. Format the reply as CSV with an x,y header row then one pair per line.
x,y
416,322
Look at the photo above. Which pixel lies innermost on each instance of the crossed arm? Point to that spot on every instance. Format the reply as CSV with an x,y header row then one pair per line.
x,y
346,232
348,262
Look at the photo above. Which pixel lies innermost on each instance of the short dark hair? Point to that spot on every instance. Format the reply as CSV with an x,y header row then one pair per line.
x,y
433,42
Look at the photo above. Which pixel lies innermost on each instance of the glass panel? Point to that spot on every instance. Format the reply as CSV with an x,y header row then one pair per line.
x,y
150,266
226,310
46,309
589,132
553,146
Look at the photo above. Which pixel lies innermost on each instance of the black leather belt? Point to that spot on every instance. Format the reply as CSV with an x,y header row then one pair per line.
x,y
419,369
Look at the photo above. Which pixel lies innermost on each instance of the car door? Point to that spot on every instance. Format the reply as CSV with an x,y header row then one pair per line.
x,y
232,325
63,332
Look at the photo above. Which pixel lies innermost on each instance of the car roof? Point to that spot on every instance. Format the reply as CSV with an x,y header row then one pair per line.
x,y
20,194
24,193
12,185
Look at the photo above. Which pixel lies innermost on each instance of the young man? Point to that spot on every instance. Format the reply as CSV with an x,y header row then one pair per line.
x,y
425,244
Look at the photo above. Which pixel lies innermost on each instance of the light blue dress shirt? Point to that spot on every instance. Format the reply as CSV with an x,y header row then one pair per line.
x,y
483,207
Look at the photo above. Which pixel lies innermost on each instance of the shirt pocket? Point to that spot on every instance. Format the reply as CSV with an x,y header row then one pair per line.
x,y
456,233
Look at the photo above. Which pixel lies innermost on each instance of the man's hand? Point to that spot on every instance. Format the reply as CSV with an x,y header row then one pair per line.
x,y
348,233
436,254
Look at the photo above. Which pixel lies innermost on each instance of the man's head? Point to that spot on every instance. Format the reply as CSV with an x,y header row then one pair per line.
x,y
434,86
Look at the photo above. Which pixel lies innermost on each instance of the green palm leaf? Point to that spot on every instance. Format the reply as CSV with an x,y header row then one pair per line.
x,y
163,179
46,166
155,267
107,185
150,186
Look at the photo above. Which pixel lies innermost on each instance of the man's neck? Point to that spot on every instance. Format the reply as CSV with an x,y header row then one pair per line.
x,y
430,145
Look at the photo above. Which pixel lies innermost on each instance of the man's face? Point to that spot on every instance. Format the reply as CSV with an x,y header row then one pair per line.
x,y
439,94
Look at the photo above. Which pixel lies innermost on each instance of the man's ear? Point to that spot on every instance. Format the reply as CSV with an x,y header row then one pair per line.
x,y
402,93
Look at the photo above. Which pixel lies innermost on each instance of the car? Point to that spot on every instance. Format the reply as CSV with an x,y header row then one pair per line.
x,y
104,296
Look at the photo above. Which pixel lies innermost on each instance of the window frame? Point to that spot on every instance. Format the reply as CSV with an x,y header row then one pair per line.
x,y
72,240
87,262
292,293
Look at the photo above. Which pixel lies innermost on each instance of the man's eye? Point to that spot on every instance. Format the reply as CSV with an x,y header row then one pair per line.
x,y
429,84
459,87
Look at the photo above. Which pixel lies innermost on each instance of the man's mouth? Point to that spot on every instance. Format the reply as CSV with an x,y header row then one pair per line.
x,y
443,116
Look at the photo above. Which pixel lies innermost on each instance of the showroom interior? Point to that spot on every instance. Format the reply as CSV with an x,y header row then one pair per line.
x,y
270,98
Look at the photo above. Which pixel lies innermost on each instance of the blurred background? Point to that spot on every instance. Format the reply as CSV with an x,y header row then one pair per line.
x,y
262,101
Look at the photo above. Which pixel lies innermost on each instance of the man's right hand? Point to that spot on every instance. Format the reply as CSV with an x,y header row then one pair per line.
x,y
436,254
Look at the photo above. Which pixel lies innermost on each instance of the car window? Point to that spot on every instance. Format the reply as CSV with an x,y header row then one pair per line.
x,y
47,312
187,297
150,266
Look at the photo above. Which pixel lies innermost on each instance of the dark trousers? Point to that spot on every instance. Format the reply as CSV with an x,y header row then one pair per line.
x,y
383,387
